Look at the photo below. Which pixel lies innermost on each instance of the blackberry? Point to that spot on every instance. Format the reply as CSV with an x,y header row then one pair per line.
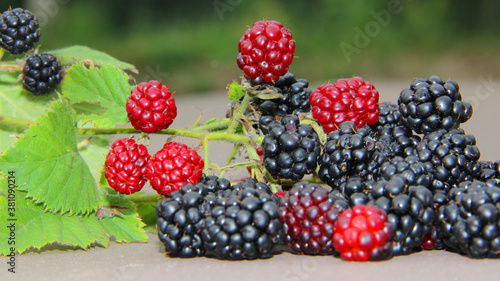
x,y
242,223
356,190
41,73
489,170
388,115
410,210
295,100
215,183
414,171
432,104
19,30
396,141
454,156
348,152
469,223
181,221
308,214
291,149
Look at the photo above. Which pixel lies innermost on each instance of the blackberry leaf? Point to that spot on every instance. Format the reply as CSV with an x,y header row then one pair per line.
x,y
16,102
49,166
107,85
76,54
36,227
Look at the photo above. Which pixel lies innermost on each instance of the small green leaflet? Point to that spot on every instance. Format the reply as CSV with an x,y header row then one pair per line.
x,y
18,103
107,85
235,91
76,54
36,227
49,166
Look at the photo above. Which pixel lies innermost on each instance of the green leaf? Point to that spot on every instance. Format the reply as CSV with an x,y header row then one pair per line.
x,y
236,91
107,86
18,103
269,96
94,153
36,227
49,166
87,108
76,54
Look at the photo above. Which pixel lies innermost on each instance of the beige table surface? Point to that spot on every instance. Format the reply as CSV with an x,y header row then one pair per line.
x,y
146,261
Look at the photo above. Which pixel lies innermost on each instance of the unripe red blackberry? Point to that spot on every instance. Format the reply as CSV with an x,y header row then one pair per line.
x,y
363,233
351,99
151,107
266,50
126,166
174,166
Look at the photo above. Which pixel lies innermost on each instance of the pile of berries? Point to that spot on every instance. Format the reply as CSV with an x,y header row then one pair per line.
x,y
19,31
335,171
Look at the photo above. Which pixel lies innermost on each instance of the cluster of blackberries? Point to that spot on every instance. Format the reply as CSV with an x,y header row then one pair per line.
x,y
216,219
19,31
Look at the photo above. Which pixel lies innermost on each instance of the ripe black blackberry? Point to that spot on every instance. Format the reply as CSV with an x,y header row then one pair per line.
x,y
469,223
410,209
19,30
411,168
308,213
356,190
295,100
432,104
241,224
348,152
291,149
215,183
388,115
181,220
489,170
396,140
454,156
41,73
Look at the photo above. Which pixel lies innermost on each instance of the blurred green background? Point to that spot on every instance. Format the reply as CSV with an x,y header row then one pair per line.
x,y
192,45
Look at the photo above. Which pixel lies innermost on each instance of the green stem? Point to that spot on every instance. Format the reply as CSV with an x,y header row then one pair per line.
x,y
17,122
222,136
206,168
140,198
219,124
9,65
236,117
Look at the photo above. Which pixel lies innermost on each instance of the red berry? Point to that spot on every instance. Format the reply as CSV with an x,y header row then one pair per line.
x,y
308,214
173,166
352,99
126,166
362,233
151,107
266,49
